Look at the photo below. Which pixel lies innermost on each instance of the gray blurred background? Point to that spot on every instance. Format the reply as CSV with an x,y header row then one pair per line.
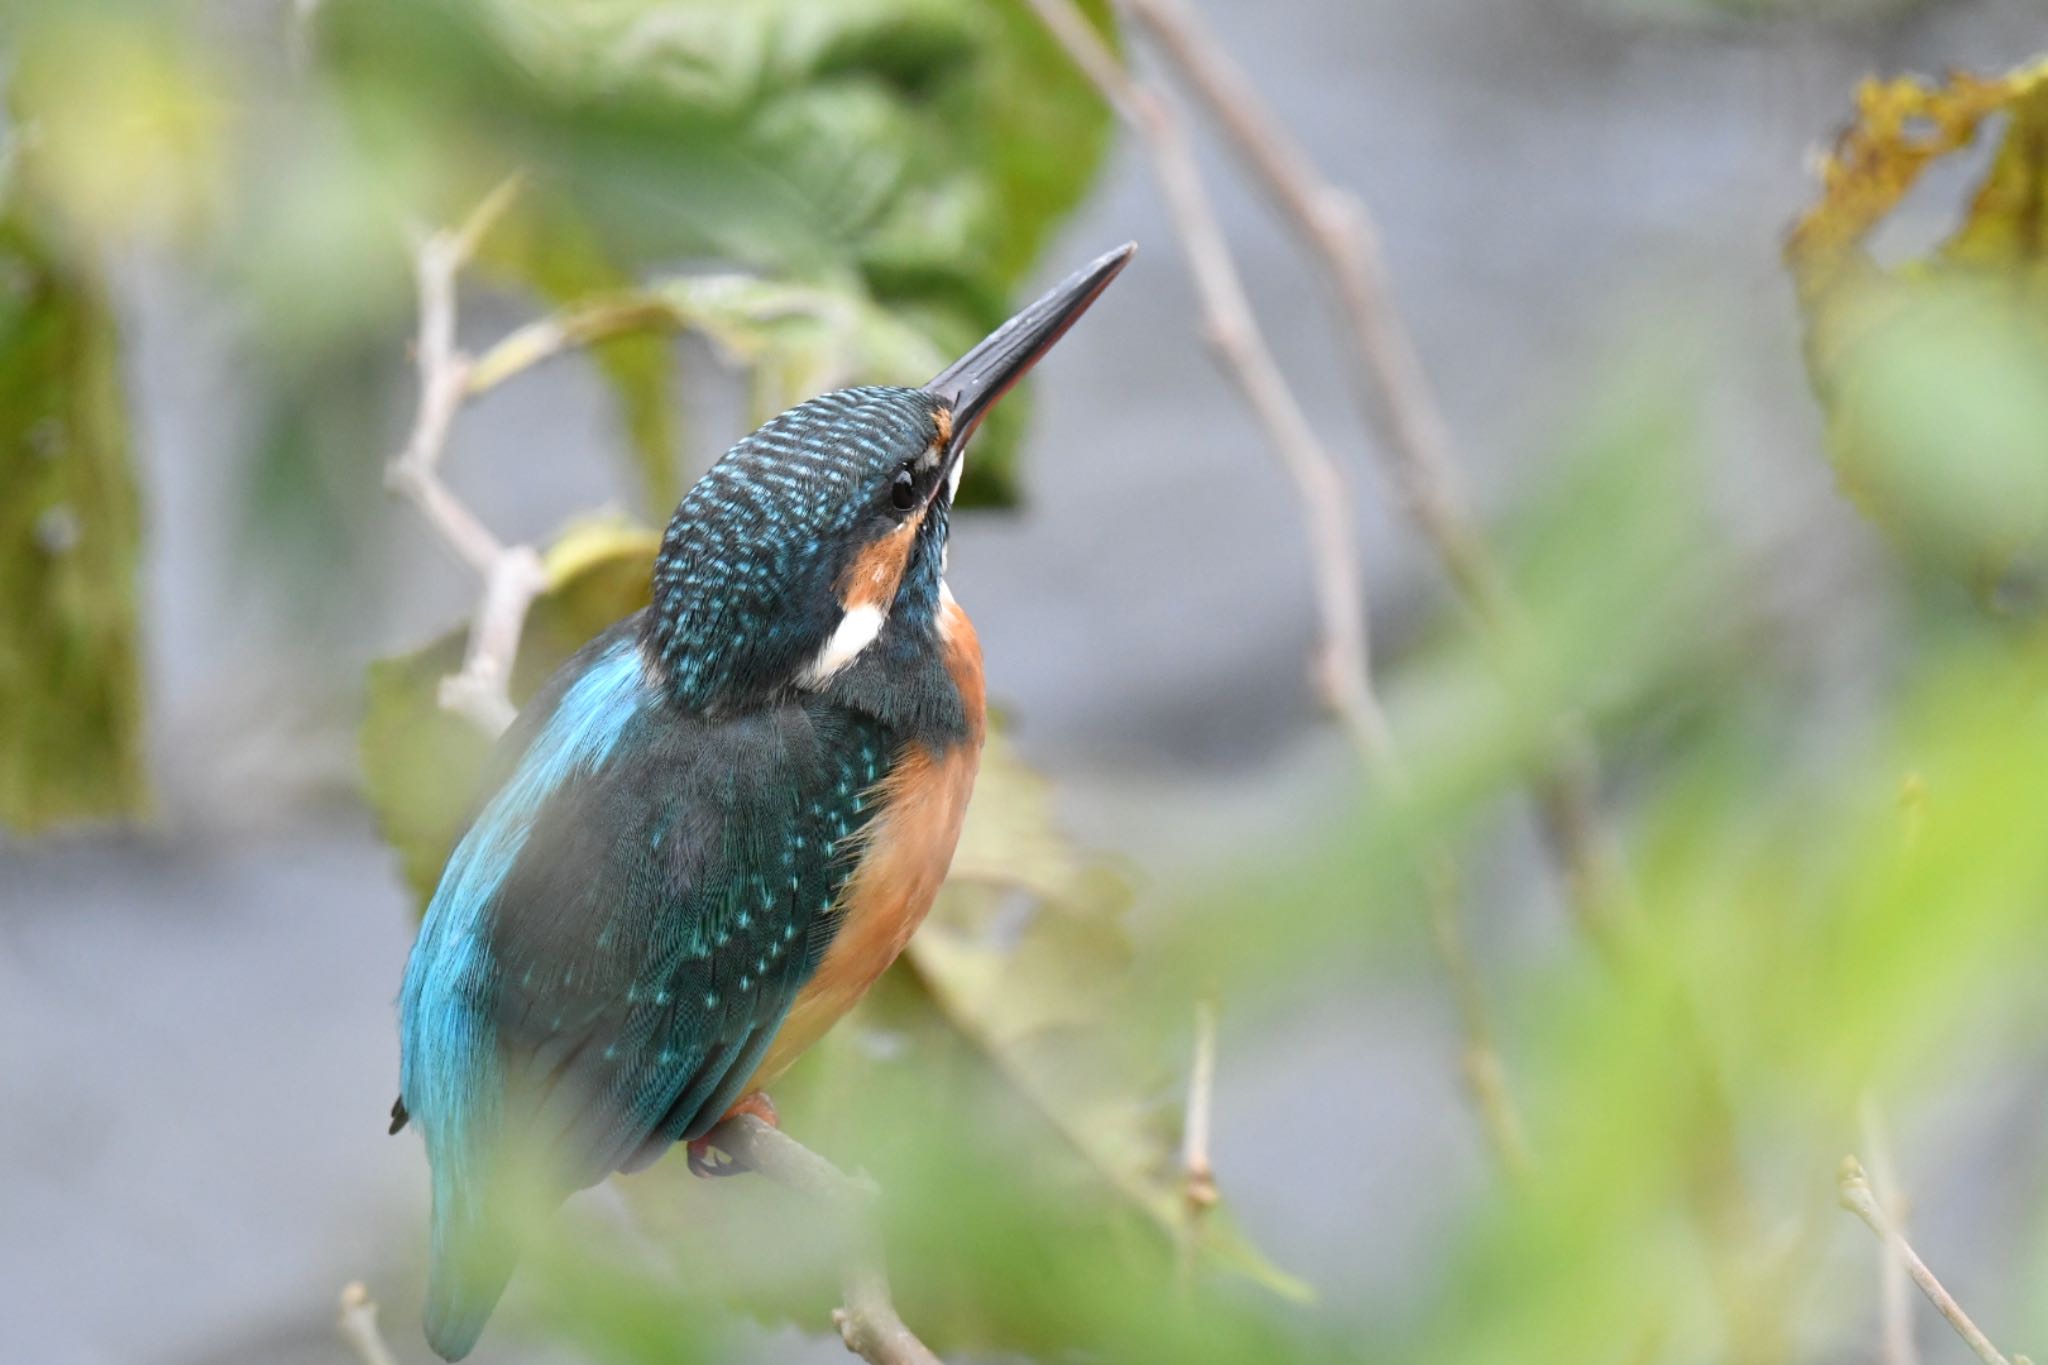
x,y
196,1021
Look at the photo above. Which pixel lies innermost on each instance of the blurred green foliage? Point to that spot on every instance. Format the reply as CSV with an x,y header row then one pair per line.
x,y
70,532
912,154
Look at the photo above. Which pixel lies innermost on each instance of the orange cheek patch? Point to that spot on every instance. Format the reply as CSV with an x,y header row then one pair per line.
x,y
943,418
872,578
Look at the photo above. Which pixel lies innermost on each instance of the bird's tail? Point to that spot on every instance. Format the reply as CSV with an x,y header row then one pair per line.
x,y
473,1255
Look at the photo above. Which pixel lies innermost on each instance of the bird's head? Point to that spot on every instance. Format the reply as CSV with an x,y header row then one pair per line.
x,y
825,530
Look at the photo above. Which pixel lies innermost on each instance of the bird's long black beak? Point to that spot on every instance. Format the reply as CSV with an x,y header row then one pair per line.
x,y
972,384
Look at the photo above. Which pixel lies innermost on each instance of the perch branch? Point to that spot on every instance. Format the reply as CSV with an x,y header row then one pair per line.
x,y
512,574
1344,669
868,1322
1858,1197
358,1326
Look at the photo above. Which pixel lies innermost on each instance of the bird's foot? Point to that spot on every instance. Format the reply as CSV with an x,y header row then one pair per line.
x,y
700,1152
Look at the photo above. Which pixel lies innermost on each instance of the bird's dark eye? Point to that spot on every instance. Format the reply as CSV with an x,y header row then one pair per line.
x,y
903,492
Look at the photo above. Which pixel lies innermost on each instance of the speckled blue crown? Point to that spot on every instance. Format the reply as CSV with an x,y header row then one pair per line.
x,y
743,586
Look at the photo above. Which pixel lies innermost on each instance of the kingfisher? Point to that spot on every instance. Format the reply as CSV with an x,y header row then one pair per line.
x,y
712,830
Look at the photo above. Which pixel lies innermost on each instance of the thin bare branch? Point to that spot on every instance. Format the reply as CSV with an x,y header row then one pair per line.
x,y
868,1322
489,210
1344,665
512,575
415,471
1417,447
1199,1194
1858,1197
1198,1169
1233,331
358,1326
1086,49
1893,1275
1484,1074
1423,463
1338,227
481,691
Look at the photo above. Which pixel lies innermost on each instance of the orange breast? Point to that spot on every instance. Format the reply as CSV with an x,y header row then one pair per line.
x,y
909,847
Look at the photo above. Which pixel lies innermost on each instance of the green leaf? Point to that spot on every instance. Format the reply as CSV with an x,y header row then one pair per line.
x,y
799,340
70,691
924,149
420,765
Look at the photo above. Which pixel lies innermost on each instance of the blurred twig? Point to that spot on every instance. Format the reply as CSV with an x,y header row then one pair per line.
x,y
868,1322
512,574
1417,447
1858,1197
1423,462
358,1326
1199,1192
1198,1170
1892,1269
1233,331
1338,227
1345,663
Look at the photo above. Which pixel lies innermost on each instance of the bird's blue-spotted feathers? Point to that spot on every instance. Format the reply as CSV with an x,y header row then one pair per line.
x,y
617,938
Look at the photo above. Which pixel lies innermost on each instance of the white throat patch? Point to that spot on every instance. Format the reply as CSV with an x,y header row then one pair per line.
x,y
855,632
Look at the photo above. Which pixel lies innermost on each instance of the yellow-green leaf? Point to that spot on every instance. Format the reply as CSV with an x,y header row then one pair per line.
x,y
1929,369
797,340
422,764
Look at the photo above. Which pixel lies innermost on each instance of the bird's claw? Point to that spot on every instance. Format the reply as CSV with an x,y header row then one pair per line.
x,y
709,1160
